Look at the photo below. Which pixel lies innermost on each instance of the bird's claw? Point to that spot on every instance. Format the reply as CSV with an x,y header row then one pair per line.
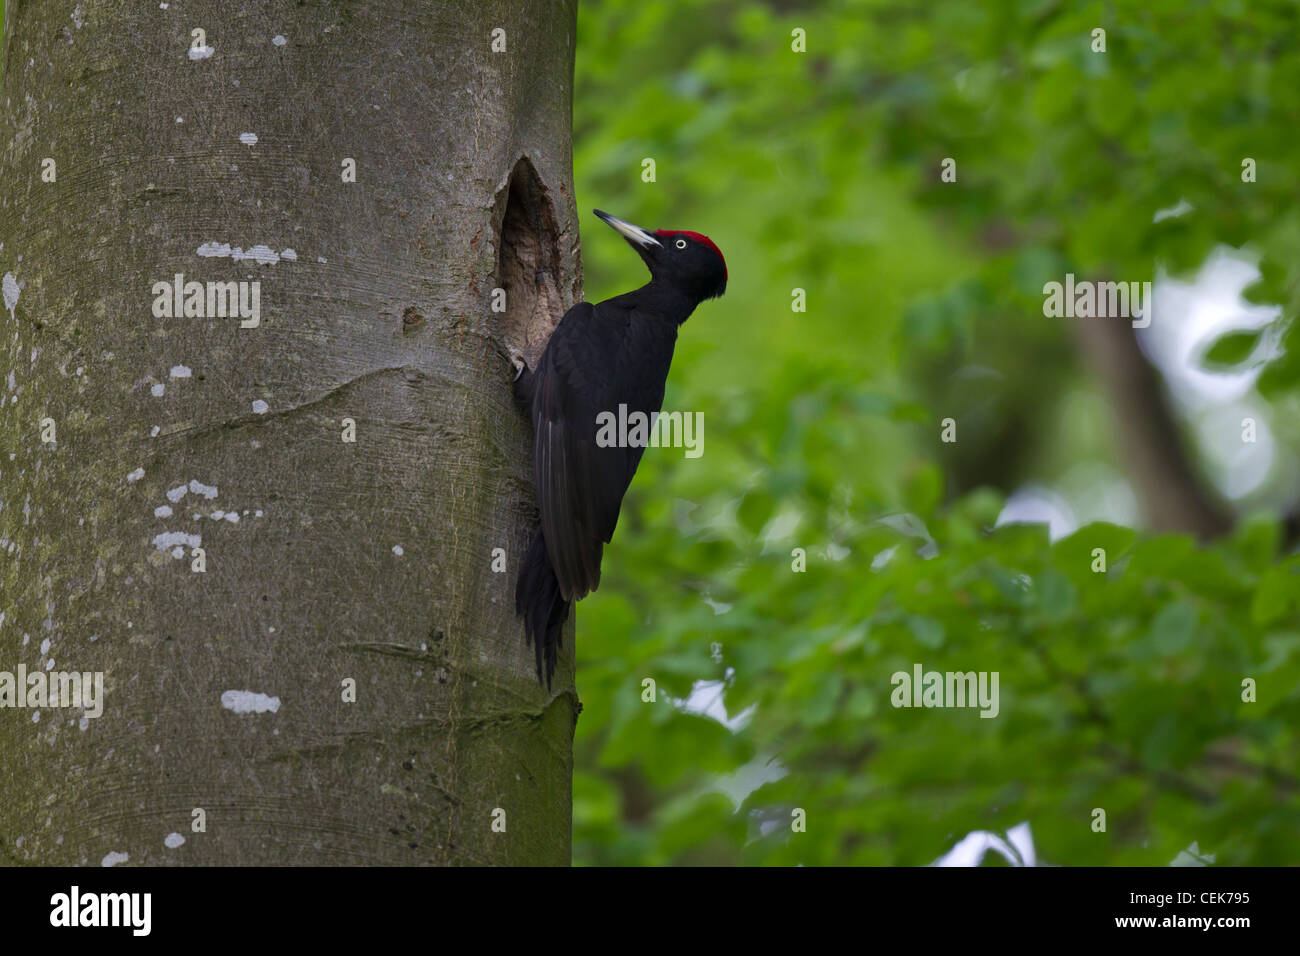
x,y
514,356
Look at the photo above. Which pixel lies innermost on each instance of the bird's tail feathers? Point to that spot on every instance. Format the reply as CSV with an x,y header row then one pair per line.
x,y
539,602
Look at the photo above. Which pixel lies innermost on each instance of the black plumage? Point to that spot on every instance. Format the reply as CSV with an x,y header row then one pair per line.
x,y
600,357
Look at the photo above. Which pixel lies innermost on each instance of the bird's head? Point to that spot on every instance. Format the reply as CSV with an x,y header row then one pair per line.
x,y
684,260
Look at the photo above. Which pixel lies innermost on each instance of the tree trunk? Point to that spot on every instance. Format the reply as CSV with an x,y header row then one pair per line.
x,y
179,442
1172,496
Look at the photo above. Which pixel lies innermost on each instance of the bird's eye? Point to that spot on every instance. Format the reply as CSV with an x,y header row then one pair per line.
x,y
681,243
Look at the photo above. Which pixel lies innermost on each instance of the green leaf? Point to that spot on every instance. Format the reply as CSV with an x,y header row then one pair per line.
x,y
926,630
1174,627
1231,350
1056,596
1276,593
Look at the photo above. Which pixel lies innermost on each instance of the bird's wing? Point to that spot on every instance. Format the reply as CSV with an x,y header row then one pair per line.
x,y
590,366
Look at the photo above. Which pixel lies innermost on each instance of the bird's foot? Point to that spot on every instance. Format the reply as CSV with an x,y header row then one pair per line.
x,y
514,356
517,360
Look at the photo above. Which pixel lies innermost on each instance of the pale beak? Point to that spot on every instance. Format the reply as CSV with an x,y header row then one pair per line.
x,y
633,234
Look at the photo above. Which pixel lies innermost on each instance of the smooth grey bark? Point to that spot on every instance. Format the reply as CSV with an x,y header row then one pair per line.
x,y
369,560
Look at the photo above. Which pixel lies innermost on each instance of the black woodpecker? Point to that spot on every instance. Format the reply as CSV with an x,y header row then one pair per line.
x,y
599,357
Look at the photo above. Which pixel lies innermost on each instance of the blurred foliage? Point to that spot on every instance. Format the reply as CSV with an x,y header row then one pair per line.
x,y
1119,689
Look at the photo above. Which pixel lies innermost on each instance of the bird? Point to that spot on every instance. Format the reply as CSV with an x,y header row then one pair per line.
x,y
615,352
